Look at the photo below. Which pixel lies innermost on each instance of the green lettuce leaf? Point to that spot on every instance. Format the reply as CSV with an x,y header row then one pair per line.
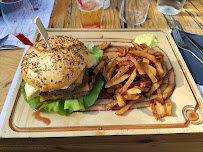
x,y
51,106
34,102
56,106
90,99
84,102
90,46
97,53
23,91
74,105
63,107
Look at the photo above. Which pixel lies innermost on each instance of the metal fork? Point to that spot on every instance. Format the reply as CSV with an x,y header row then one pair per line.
x,y
183,46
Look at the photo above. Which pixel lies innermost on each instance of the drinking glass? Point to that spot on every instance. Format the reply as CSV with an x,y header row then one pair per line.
x,y
134,12
90,12
170,7
19,16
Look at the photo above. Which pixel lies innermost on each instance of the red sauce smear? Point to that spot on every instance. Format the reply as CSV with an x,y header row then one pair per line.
x,y
37,116
36,9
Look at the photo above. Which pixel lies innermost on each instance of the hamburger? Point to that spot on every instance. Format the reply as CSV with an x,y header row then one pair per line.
x,y
61,80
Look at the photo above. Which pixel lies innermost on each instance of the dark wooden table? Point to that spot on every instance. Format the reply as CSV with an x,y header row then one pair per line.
x,y
65,15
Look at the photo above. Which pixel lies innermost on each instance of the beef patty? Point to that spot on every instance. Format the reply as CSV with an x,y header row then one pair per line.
x,y
75,86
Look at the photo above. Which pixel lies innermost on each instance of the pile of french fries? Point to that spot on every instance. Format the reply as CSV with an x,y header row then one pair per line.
x,y
135,74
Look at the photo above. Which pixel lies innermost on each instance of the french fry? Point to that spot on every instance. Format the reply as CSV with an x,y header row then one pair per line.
x,y
105,74
112,104
135,90
168,91
99,66
150,74
136,83
131,48
130,96
159,68
125,109
117,90
120,100
127,48
125,63
120,49
165,82
144,55
159,95
112,54
153,88
137,65
148,50
136,45
153,52
144,46
111,70
144,89
158,54
150,68
152,58
159,58
144,60
168,106
160,108
117,86
120,59
128,83
114,97
120,72
135,74
166,76
145,82
154,111
117,81
163,87
105,58
123,50
104,45
109,65
165,70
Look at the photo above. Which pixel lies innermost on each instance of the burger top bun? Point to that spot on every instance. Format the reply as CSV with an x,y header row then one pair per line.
x,y
49,70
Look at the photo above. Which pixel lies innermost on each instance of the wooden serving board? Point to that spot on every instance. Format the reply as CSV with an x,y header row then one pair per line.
x,y
19,121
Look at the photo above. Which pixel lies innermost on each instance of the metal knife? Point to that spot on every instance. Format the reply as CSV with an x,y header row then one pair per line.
x,y
194,42
9,47
4,38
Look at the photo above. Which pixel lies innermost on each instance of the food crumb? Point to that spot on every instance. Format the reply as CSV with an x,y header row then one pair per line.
x,y
101,36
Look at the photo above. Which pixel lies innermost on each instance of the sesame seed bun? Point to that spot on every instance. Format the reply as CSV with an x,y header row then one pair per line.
x,y
49,70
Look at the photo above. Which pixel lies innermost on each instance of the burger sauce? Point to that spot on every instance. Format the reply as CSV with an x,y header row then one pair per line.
x,y
45,120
